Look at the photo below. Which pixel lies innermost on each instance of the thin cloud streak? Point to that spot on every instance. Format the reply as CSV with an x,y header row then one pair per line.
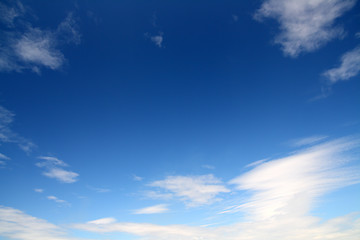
x,y
160,208
307,141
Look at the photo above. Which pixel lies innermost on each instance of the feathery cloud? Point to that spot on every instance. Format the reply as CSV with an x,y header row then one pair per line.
x,y
305,25
348,68
39,190
27,47
156,39
307,141
7,135
54,169
16,224
57,200
160,208
193,190
282,193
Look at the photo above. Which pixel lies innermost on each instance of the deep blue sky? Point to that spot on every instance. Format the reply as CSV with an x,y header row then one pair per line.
x,y
132,95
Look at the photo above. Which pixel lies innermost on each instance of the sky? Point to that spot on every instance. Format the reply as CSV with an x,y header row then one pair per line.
x,y
183,120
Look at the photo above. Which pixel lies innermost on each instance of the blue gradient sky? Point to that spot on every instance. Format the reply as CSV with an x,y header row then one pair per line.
x,y
179,119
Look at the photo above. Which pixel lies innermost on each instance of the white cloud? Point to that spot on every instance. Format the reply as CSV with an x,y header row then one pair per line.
x,y
156,39
305,25
137,178
307,141
282,195
348,68
7,135
27,47
150,231
57,200
289,186
37,48
61,175
103,221
194,190
53,169
158,195
39,190
2,156
160,208
15,224
208,167
99,190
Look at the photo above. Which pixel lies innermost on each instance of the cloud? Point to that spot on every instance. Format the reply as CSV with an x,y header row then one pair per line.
x,y
57,200
307,141
39,190
16,224
99,190
194,190
137,178
348,68
2,156
235,17
150,231
156,39
208,167
27,47
54,169
103,221
7,135
305,25
160,208
282,194
290,185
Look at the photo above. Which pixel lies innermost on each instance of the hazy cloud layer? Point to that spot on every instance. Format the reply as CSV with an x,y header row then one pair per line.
x,y
305,25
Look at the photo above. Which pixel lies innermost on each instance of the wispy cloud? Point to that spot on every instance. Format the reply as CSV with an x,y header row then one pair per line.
x,y
39,190
305,25
57,200
137,178
54,169
156,39
7,135
99,190
27,47
349,67
307,141
3,157
16,224
193,190
282,194
289,186
208,167
160,208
